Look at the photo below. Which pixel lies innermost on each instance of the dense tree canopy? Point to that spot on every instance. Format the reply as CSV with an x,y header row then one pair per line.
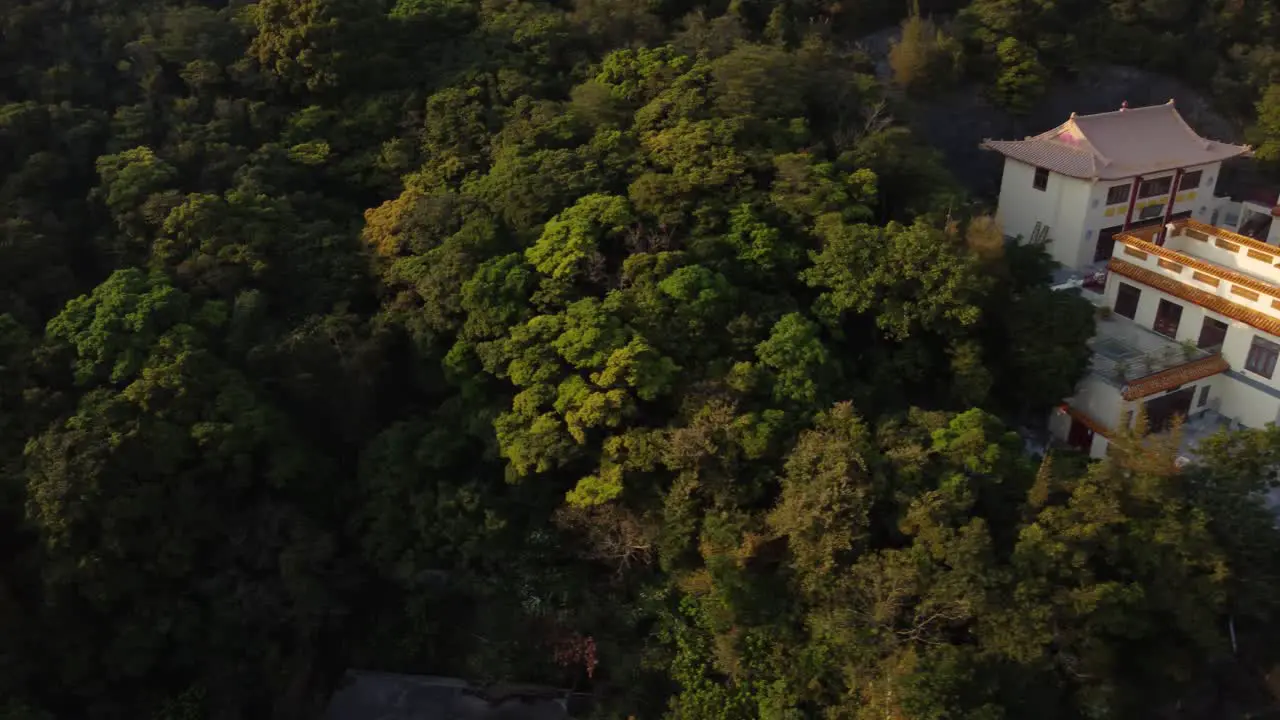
x,y
631,347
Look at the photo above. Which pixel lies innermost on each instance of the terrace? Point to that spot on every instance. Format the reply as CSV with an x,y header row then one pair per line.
x,y
1124,352
1231,251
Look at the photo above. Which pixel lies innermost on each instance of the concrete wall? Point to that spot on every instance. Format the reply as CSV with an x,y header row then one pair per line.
x,y
1249,406
1098,449
1231,255
1100,400
1199,201
1240,401
1062,205
1076,210
1186,276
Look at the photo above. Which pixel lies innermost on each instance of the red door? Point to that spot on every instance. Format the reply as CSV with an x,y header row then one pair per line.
x,y
1080,436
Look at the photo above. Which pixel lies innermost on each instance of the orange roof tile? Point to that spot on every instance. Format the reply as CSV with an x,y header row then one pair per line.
x,y
1202,266
1220,305
1088,421
1173,377
1234,237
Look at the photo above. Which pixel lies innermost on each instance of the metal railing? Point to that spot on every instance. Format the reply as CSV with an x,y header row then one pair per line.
x,y
1124,351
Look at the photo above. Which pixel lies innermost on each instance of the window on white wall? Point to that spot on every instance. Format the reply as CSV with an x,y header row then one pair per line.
x,y
1117,194
1168,317
1213,333
1041,180
1204,396
1191,180
1127,297
1153,188
1262,357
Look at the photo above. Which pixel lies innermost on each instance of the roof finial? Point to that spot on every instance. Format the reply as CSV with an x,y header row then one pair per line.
x,y
1171,101
1124,106
1073,115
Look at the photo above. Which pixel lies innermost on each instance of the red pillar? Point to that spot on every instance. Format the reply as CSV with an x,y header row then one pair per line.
x,y
1168,206
1133,199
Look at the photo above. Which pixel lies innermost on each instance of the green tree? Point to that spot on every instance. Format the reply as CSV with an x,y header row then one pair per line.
x,y
168,442
924,57
1266,132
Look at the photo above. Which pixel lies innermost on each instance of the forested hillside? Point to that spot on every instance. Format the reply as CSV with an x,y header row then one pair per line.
x,y
629,346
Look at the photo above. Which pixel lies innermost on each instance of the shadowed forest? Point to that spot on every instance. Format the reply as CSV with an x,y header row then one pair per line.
x,y
635,347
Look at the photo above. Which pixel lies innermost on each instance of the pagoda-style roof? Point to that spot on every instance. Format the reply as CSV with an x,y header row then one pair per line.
x,y
1119,144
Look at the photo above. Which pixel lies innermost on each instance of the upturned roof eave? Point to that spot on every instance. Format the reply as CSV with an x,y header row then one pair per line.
x,y
1116,173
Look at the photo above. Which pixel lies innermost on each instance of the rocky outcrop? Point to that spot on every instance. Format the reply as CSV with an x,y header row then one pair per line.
x,y
955,122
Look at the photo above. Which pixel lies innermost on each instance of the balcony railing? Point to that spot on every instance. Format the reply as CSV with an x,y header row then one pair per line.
x,y
1124,351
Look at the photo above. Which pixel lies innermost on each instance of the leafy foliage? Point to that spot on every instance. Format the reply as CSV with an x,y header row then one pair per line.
x,y
628,346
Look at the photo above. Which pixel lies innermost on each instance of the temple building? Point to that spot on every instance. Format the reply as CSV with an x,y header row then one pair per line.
x,y
1084,182
1189,325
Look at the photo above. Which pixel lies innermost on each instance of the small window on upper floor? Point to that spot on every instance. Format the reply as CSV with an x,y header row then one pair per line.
x,y
1041,180
1153,188
1117,194
1262,357
1190,181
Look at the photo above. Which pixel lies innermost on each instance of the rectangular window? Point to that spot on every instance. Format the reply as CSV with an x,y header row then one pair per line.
x,y
1151,212
1041,180
1262,357
1190,181
1155,188
1127,297
1212,333
1204,396
1170,266
1168,316
1134,253
1117,194
1260,256
1229,247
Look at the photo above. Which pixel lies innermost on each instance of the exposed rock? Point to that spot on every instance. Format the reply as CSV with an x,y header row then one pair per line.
x,y
387,696
956,122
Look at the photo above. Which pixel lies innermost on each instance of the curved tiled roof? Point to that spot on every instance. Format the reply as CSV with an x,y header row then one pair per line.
x,y
1119,144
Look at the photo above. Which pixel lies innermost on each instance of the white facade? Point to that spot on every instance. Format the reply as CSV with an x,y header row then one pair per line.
x,y
1081,183
1224,291
1239,216
1076,211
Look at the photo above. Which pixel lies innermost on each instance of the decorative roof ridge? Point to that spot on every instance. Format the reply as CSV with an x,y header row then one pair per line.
x,y
987,144
1208,142
1093,149
1070,125
1126,110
